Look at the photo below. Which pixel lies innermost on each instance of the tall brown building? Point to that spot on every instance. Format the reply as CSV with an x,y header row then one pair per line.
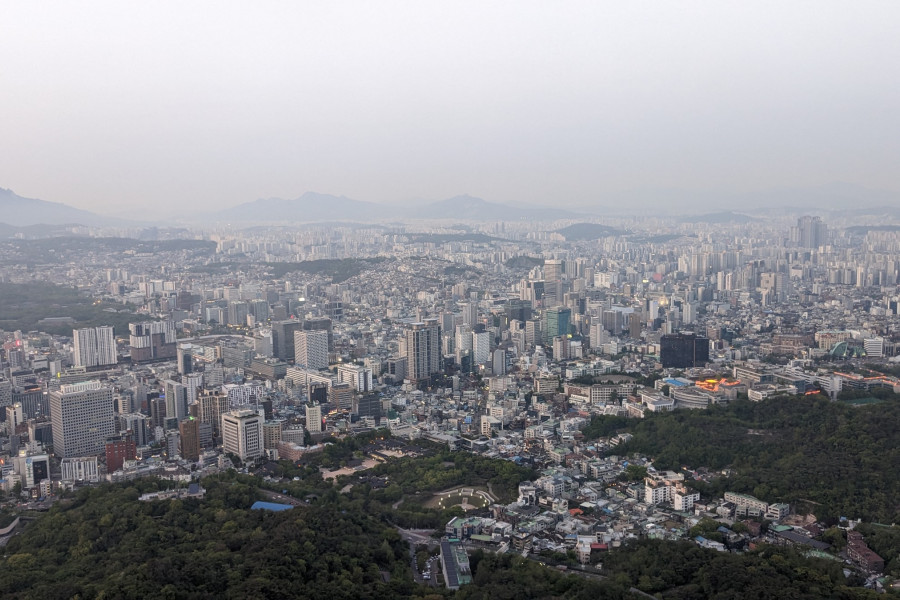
x,y
190,438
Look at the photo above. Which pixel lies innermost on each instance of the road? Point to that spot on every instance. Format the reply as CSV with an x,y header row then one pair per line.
x,y
276,497
414,537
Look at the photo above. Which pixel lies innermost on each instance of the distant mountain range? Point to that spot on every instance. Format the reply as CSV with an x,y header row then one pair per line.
x,y
837,201
20,212
313,206
720,217
469,207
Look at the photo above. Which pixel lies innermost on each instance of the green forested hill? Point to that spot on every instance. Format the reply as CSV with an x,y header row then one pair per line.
x,y
108,544
831,457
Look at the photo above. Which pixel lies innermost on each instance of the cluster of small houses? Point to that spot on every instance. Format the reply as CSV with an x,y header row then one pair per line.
x,y
556,513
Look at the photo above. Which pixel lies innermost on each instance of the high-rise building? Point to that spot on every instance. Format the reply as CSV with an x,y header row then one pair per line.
x,y
810,232
556,323
469,313
311,349
283,338
94,346
260,310
211,406
190,438
560,348
136,425
341,396
518,310
683,350
242,434
194,383
321,324
6,391
367,406
498,362
83,418
423,350
553,269
176,400
184,358
157,412
397,368
634,326
152,340
314,418
237,313
272,434
359,377
481,347
15,416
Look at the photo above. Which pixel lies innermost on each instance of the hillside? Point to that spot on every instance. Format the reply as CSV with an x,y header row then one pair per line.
x,y
838,458
105,543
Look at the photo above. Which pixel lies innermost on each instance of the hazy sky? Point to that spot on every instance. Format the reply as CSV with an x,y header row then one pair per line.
x,y
155,106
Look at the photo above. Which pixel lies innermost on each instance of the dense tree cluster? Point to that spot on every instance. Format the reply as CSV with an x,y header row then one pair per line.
x,y
23,305
829,457
682,570
511,577
109,544
106,543
884,540
447,469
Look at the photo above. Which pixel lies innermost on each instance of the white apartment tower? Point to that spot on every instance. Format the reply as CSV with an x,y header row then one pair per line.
x,y
311,349
314,418
481,347
360,378
94,346
423,350
176,400
82,418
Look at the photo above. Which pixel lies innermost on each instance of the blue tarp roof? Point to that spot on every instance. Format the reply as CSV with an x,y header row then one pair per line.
x,y
270,506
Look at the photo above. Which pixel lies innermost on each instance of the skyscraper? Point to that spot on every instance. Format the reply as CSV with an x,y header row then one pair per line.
x,y
184,359
152,340
190,438
311,349
556,323
423,350
242,434
321,324
211,407
810,232
313,418
469,313
553,269
481,347
283,338
94,346
82,417
176,400
357,376
683,350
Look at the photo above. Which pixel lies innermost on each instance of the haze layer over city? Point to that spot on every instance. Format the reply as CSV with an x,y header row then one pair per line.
x,y
432,300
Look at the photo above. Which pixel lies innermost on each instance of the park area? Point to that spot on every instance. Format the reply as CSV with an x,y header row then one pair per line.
x,y
467,498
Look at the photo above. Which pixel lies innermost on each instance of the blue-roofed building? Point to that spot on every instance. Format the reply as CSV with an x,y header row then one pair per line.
x,y
273,506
